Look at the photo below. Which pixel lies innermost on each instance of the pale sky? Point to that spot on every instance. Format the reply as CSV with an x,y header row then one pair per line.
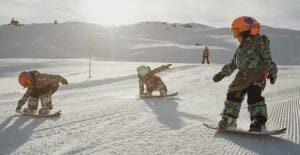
x,y
216,13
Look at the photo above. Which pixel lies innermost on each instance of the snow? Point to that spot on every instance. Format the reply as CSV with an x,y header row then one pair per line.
x,y
166,42
102,115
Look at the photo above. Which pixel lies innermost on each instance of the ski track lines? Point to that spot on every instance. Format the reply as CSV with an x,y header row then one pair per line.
x,y
73,127
284,103
125,125
128,128
133,130
285,112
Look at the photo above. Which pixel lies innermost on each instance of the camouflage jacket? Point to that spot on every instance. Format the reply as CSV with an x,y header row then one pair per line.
x,y
42,84
254,62
151,80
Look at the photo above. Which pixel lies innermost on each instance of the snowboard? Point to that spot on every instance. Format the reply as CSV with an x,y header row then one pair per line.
x,y
51,114
158,96
242,131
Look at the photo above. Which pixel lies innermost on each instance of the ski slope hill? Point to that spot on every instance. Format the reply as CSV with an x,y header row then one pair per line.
x,y
102,115
145,41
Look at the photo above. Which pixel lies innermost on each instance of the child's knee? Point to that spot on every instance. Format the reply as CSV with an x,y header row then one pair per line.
x,y
162,86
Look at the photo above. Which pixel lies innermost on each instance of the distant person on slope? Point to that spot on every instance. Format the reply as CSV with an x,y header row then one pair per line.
x,y
254,63
205,55
40,86
152,82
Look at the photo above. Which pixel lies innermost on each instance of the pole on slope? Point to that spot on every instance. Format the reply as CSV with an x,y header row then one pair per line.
x,y
90,54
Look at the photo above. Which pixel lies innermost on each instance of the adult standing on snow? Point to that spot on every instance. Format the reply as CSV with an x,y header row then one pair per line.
x,y
205,55
40,86
254,63
152,82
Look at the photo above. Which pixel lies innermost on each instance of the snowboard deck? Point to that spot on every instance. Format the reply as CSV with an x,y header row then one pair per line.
x,y
242,131
158,96
51,114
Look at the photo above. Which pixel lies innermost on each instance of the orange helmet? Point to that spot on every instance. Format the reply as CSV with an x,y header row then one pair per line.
x,y
244,23
25,79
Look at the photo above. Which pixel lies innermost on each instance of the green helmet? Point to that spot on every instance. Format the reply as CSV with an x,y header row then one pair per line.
x,y
143,70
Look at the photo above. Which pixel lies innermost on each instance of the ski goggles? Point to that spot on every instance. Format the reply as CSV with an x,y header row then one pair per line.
x,y
237,31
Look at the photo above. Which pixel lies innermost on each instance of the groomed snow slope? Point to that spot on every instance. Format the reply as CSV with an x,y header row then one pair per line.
x,y
146,41
102,115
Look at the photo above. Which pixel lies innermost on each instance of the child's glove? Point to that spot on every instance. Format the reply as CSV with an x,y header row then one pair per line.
x,y
272,78
167,66
63,81
18,108
273,72
218,77
20,104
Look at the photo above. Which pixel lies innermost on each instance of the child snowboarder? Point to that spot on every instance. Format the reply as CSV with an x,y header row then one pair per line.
x,y
153,83
255,65
40,86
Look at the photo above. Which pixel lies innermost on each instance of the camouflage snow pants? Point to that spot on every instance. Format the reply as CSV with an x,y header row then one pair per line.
x,y
161,87
256,103
46,102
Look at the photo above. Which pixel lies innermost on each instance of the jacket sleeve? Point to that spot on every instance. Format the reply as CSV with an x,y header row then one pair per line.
x,y
141,86
25,96
228,69
55,78
159,69
263,47
52,79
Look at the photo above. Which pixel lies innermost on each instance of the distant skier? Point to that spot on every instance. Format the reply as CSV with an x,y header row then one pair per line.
x,y
205,55
253,60
152,82
40,87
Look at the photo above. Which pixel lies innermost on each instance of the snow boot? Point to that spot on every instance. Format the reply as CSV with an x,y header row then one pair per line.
x,y
257,126
29,110
148,93
162,92
46,102
227,122
259,116
230,114
44,111
32,106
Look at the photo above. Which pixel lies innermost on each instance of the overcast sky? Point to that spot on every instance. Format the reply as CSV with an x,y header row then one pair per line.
x,y
216,13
